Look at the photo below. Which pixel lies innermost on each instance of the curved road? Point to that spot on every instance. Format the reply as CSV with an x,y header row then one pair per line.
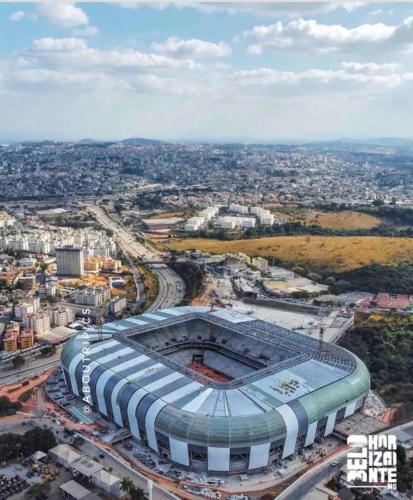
x,y
171,286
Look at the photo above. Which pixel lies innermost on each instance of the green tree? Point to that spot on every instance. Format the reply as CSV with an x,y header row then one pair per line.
x,y
48,350
39,491
314,276
44,266
300,270
37,439
7,407
134,493
127,485
10,446
137,494
78,441
301,294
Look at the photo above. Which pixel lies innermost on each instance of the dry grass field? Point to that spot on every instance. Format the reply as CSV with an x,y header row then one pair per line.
x,y
86,280
345,220
165,215
323,253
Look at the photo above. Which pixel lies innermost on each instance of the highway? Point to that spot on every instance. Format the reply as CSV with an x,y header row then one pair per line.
x,y
171,286
32,367
140,293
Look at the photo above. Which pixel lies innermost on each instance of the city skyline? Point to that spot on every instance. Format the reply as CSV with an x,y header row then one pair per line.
x,y
205,72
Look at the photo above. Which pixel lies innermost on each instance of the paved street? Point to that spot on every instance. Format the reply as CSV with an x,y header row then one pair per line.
x,y
300,488
32,367
171,286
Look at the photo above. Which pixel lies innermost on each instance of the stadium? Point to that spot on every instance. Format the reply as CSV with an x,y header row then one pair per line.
x,y
215,390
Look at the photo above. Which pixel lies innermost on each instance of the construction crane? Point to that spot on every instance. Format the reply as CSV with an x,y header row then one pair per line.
x,y
322,317
213,307
100,320
321,337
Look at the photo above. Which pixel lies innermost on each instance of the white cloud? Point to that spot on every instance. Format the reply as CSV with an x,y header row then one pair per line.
x,y
68,82
371,68
351,6
374,13
310,35
72,62
17,15
158,91
158,5
59,45
177,47
262,9
375,76
85,31
166,86
96,81
75,53
46,76
63,13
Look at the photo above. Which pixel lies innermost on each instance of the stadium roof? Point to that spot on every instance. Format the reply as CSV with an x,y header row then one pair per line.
x,y
276,388
306,370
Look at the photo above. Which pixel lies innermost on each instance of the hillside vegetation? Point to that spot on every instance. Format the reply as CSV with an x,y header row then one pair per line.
x,y
378,278
387,350
192,276
345,220
319,253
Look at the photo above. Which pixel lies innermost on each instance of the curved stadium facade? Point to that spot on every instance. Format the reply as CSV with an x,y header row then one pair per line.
x,y
216,390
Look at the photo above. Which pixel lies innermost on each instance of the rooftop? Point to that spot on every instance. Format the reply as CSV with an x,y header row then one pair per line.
x,y
75,490
248,366
86,466
65,452
263,349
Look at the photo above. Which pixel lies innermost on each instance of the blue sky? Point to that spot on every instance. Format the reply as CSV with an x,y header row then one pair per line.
x,y
245,72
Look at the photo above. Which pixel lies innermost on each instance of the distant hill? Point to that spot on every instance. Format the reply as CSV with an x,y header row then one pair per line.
x,y
131,140
89,141
394,142
139,141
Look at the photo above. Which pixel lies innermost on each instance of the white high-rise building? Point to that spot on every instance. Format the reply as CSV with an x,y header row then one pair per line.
x,y
267,220
240,209
69,260
62,316
26,307
93,296
39,322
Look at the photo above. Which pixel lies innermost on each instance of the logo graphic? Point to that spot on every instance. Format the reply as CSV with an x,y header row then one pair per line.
x,y
372,461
